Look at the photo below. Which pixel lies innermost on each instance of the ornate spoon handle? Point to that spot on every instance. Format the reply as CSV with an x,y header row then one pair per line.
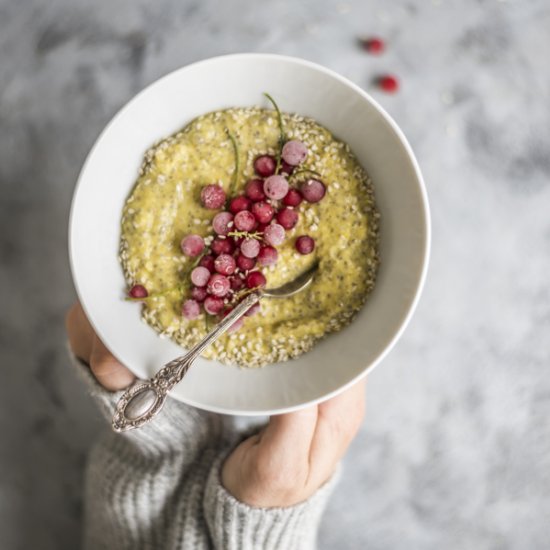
x,y
140,403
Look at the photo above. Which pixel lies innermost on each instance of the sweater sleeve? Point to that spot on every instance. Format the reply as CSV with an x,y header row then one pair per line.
x,y
236,526
159,487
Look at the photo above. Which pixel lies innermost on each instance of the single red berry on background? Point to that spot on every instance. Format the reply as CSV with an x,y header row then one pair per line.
x,y
138,291
253,310
218,285
263,211
287,217
192,245
274,234
250,248
286,168
373,45
244,263
254,190
200,276
292,198
313,190
267,256
305,244
213,305
255,279
245,221
225,264
222,223
198,293
223,246
191,309
236,283
388,83
239,203
265,166
212,196
208,262
276,187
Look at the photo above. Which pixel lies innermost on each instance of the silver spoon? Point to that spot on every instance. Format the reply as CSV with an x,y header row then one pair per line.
x,y
140,403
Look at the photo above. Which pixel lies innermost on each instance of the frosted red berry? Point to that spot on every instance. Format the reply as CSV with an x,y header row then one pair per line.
x,y
236,283
313,190
222,223
225,264
267,256
274,234
245,221
305,244
286,168
254,190
265,165
263,211
192,245
191,309
208,262
239,203
200,276
213,305
244,263
138,291
218,285
276,187
255,279
292,198
287,217
250,248
294,152
213,196
222,246
198,293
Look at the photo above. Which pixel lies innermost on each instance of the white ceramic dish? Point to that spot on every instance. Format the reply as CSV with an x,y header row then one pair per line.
x,y
239,80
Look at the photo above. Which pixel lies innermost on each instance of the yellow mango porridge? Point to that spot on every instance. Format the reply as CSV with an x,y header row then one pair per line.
x,y
188,268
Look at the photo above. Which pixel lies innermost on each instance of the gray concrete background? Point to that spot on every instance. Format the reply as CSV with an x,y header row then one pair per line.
x,y
455,448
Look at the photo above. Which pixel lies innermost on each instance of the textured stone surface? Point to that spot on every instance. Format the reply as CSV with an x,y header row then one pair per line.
x,y
455,449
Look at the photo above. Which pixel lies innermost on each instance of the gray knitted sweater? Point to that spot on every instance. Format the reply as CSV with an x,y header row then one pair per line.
x,y
159,488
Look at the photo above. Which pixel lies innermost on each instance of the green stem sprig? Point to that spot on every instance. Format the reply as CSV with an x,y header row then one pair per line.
x,y
235,144
282,135
303,171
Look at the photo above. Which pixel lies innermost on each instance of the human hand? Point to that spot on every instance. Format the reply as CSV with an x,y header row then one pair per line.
x,y
296,453
86,345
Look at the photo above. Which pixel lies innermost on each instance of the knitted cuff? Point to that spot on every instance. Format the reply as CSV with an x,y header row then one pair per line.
x,y
174,425
234,525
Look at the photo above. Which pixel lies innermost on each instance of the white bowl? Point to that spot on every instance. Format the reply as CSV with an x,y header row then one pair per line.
x,y
237,81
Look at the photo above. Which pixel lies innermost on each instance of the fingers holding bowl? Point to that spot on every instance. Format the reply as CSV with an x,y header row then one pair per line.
x,y
86,345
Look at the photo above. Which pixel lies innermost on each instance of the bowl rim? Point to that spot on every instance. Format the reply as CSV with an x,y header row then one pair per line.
x,y
404,144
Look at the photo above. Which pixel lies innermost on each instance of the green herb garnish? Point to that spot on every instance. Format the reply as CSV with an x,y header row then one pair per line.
x,y
233,187
282,136
304,171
